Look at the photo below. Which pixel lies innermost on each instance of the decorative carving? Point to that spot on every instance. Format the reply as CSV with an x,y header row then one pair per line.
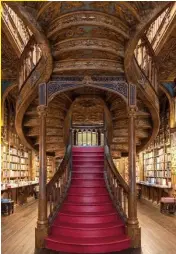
x,y
88,31
49,12
67,6
125,13
132,112
54,87
87,81
116,84
96,44
42,110
132,95
88,109
88,18
92,64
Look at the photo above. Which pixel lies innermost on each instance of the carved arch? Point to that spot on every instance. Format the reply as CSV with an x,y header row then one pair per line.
x,y
116,85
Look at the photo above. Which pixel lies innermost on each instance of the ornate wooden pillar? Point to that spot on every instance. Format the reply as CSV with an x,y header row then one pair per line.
x,y
42,222
133,224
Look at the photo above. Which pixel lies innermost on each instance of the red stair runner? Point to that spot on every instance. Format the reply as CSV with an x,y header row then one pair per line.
x,y
87,221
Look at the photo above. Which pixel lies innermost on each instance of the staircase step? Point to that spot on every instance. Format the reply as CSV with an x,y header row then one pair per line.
x,y
90,199
83,232
92,218
87,155
88,175
89,208
83,180
86,190
88,149
88,159
88,245
95,168
88,184
88,163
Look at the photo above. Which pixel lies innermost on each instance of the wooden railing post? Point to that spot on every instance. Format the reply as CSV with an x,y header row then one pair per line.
x,y
42,222
133,224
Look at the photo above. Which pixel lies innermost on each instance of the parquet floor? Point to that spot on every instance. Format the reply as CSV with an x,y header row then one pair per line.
x,y
158,230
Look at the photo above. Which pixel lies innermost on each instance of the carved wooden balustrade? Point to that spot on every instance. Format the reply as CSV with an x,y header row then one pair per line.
x,y
117,187
29,60
158,28
58,185
145,59
18,30
88,135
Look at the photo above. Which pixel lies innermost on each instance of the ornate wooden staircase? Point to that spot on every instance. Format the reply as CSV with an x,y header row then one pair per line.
x,y
87,221
82,60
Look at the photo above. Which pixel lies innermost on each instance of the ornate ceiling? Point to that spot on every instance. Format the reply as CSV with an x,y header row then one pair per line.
x,y
89,37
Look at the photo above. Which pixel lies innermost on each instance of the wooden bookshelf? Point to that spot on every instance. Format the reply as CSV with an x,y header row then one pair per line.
x,y
14,162
50,167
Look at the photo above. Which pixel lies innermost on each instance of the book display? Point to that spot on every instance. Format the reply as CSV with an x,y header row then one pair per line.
x,y
173,157
15,158
14,161
157,158
50,167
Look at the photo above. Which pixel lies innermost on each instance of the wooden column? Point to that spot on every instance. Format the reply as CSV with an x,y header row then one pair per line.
x,y
42,222
133,224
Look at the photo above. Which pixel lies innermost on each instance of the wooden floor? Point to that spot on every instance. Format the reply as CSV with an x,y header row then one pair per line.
x,y
158,231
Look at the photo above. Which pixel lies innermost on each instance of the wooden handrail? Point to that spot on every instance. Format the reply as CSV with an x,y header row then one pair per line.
x,y
57,187
117,187
61,168
114,170
143,73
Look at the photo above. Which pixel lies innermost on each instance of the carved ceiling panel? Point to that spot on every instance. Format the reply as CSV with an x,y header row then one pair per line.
x,y
88,66
123,10
85,54
87,31
84,48
88,110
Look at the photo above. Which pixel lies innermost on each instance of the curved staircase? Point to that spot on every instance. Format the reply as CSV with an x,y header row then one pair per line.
x,y
87,221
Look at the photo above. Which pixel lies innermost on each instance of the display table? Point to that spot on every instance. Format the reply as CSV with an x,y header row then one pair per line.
x,y
153,192
20,193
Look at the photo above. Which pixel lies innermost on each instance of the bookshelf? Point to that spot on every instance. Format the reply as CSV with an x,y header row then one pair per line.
x,y
15,158
50,167
157,166
157,158
14,161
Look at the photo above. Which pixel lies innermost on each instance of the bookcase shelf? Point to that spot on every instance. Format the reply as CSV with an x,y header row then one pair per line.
x,y
50,167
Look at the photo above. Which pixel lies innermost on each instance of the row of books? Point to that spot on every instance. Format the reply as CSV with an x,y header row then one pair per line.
x,y
14,166
11,173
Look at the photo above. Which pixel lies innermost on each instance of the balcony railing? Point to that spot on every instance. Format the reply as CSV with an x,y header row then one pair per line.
x,y
158,28
145,60
29,59
87,135
17,29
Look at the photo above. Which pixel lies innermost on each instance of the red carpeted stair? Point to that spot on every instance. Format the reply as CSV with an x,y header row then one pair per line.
x,y
87,221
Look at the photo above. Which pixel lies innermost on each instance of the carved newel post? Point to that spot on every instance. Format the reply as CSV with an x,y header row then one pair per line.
x,y
42,222
133,224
